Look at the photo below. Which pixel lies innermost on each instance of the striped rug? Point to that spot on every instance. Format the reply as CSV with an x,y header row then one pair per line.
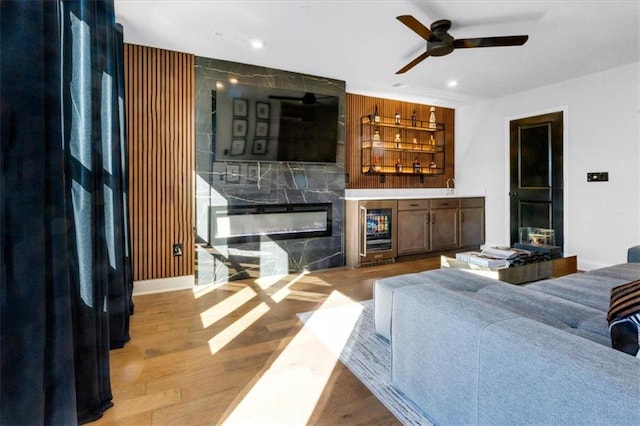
x,y
368,357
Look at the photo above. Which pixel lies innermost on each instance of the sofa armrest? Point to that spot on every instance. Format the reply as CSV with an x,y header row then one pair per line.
x,y
633,254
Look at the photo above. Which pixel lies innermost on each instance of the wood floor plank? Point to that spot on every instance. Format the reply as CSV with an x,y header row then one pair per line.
x,y
194,356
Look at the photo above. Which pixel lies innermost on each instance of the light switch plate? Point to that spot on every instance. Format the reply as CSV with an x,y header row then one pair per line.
x,y
597,176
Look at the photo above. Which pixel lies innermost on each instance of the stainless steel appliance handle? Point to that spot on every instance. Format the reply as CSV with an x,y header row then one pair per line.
x,y
363,231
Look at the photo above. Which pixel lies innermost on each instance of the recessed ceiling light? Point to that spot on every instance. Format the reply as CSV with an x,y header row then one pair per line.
x,y
257,44
233,80
452,83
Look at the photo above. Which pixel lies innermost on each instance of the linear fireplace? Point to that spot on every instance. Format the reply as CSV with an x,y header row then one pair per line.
x,y
239,224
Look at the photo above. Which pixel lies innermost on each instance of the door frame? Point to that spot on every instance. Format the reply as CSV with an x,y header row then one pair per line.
x,y
565,171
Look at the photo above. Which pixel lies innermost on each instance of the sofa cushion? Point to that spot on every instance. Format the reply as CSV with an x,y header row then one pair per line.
x,y
572,317
586,289
624,318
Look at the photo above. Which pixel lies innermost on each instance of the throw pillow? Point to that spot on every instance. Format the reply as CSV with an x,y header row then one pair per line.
x,y
624,318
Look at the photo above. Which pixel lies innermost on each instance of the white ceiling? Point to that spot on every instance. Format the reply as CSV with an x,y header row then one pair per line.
x,y
362,43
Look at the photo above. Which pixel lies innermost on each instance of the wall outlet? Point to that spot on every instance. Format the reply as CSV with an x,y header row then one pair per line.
x,y
177,249
597,176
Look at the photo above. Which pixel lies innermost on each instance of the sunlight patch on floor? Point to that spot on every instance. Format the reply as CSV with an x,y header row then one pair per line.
x,y
289,390
220,340
204,289
225,307
282,293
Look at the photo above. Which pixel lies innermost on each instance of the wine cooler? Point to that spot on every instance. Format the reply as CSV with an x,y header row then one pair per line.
x,y
377,231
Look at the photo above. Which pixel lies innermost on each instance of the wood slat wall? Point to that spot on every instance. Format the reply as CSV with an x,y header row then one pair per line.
x,y
358,105
160,130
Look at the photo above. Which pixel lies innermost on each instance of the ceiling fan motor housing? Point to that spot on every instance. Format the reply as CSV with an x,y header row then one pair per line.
x,y
442,43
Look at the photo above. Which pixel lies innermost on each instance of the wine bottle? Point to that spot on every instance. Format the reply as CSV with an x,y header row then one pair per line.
x,y
414,119
416,166
376,115
397,118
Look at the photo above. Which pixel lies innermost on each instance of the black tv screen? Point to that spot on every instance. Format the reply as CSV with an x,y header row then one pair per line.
x,y
267,124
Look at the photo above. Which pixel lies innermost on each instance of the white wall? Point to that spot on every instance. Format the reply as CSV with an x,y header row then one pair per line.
x,y
602,133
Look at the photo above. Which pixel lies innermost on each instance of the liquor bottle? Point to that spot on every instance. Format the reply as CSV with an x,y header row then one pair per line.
x,y
432,118
397,118
398,141
398,166
414,119
416,166
376,115
376,135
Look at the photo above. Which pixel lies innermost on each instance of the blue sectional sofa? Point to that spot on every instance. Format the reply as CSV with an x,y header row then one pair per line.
x,y
472,350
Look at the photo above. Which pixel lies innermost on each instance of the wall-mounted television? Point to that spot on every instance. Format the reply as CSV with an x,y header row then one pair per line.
x,y
254,123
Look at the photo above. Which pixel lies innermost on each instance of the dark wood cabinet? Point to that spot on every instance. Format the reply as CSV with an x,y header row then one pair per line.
x,y
471,222
424,225
444,224
413,231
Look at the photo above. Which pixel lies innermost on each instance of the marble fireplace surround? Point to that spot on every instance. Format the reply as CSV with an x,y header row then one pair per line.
x,y
231,184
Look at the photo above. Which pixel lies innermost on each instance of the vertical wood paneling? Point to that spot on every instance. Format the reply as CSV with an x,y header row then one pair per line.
x,y
160,118
359,105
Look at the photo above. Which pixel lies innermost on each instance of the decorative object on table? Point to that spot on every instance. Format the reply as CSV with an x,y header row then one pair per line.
x,y
259,146
432,118
239,129
237,146
240,107
263,110
262,129
233,173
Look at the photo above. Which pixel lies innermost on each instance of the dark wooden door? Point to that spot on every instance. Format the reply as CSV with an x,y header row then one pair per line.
x,y
536,190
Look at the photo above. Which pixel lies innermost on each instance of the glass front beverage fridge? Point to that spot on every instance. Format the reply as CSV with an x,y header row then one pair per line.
x,y
377,231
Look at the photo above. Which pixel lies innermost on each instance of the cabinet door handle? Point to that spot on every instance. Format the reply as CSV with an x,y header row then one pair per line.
x,y
363,231
433,218
414,205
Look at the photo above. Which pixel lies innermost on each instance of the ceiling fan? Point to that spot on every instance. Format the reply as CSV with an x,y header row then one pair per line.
x,y
440,43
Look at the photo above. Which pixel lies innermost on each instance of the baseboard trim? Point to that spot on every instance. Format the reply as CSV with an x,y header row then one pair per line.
x,y
162,285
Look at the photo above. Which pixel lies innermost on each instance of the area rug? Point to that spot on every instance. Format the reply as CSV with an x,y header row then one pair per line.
x,y
368,357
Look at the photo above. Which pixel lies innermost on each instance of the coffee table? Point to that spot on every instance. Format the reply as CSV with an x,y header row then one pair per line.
x,y
518,274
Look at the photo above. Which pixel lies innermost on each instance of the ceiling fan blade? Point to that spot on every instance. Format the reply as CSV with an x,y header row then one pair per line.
x,y
416,26
518,40
413,63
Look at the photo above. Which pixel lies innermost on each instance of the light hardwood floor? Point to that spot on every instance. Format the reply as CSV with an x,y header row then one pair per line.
x,y
236,353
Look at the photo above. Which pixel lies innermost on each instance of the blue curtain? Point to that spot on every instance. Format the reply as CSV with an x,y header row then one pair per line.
x,y
65,277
